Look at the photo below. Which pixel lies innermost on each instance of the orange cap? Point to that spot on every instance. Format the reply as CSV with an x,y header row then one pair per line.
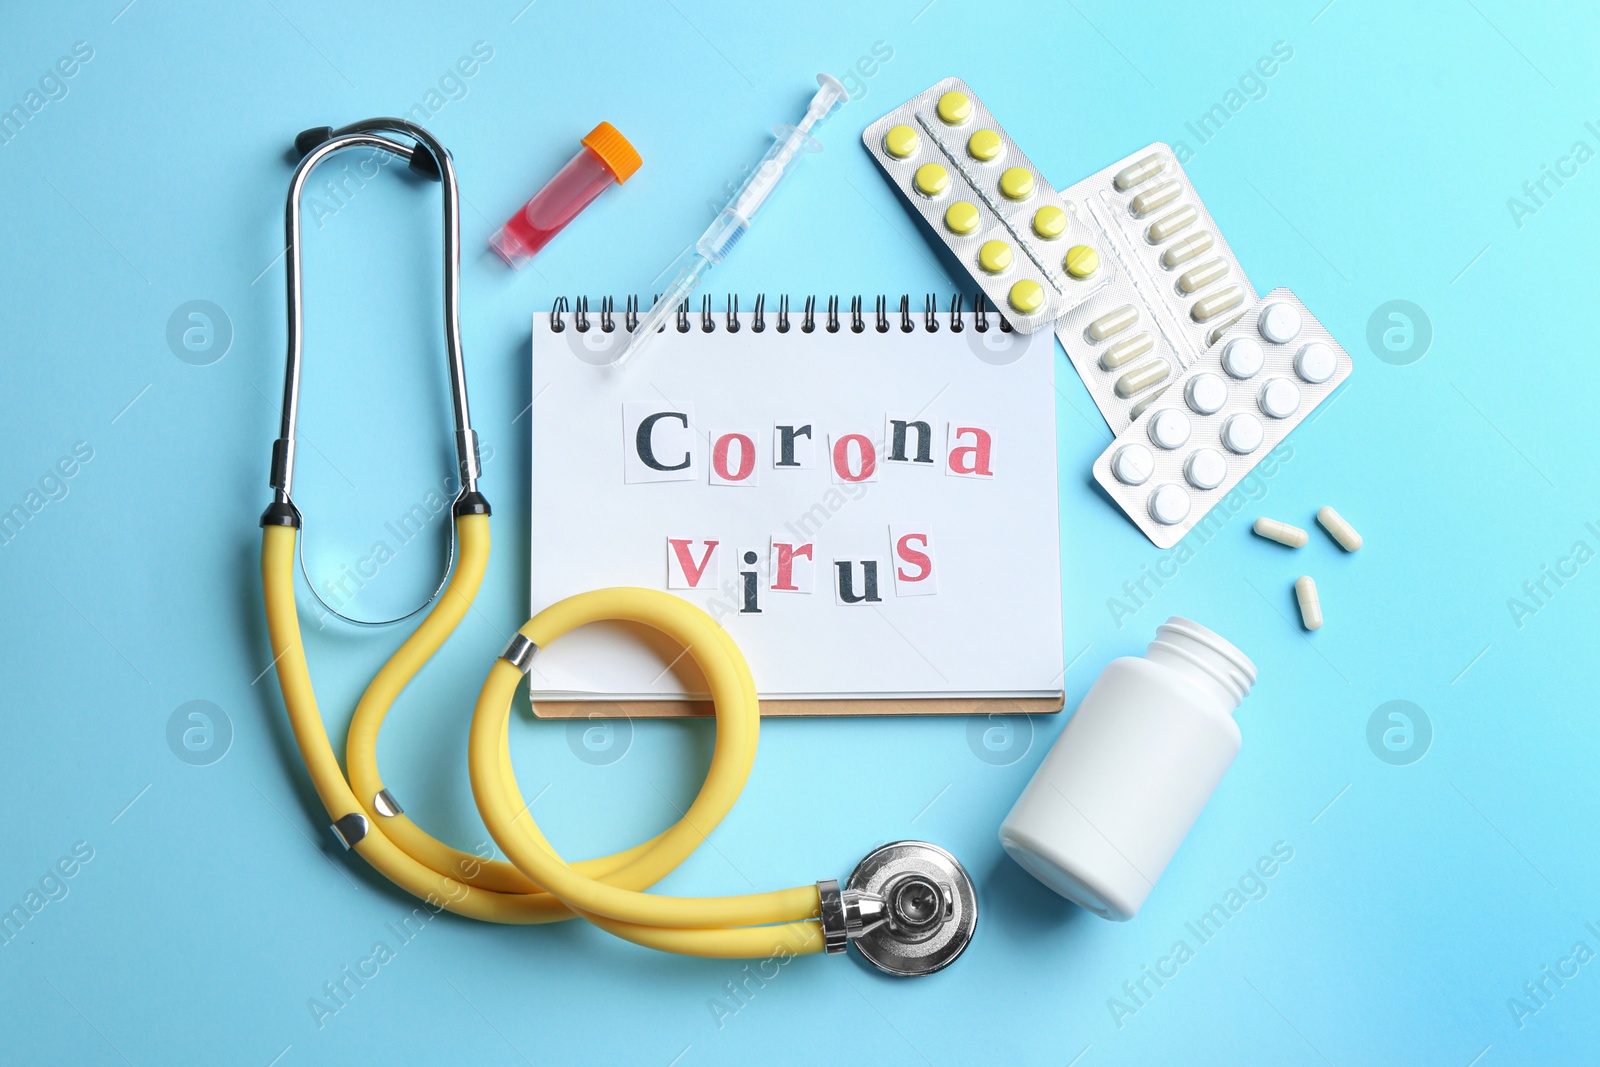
x,y
620,157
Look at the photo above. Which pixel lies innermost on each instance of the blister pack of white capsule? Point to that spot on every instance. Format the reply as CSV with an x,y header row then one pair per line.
x,y
960,170
1215,422
1180,285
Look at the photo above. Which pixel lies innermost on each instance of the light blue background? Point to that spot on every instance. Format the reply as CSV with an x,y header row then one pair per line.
x,y
1377,166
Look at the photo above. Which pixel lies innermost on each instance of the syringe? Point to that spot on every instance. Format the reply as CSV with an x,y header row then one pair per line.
x,y
734,220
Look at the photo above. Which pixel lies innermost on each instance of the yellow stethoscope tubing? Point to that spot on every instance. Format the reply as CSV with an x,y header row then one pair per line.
x,y
538,885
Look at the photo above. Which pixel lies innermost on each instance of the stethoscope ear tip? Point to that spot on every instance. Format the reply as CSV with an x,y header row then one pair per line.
x,y
306,140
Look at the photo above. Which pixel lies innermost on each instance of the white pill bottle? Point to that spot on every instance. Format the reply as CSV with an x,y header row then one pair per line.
x,y
1130,773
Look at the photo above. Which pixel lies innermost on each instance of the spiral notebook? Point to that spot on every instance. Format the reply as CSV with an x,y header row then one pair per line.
x,y
864,497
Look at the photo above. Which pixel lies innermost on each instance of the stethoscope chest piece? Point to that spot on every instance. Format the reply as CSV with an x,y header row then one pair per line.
x,y
910,907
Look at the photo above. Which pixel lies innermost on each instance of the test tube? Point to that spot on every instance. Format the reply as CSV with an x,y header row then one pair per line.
x,y
605,159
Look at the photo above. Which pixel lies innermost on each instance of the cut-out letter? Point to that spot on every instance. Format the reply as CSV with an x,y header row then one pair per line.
x,y
792,446
971,451
684,571
913,560
791,566
733,459
908,441
657,443
848,589
864,468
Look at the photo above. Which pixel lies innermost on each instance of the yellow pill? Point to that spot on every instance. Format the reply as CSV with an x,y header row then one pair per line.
x,y
961,217
1281,532
1081,261
932,179
994,256
1340,530
900,141
1049,222
1016,184
984,145
954,108
1027,296
1305,591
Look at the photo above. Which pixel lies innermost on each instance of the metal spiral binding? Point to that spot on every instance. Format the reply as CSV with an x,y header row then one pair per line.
x,y
578,308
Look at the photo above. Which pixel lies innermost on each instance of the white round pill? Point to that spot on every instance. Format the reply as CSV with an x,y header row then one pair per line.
x,y
1206,393
1205,468
1279,398
1279,323
1243,357
1169,428
1315,362
1242,433
1169,504
1132,464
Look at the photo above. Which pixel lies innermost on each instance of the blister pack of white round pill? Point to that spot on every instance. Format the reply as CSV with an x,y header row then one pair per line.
x,y
1216,421
991,207
1179,289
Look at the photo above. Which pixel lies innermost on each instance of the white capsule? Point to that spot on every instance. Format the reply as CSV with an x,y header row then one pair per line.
x,y
1315,362
1113,322
1243,357
1132,464
1146,404
1222,327
1171,223
1187,249
1139,171
1305,591
1169,428
1169,504
1197,278
1279,398
1339,530
1279,322
1126,350
1223,300
1206,393
1142,377
1281,532
1205,468
1154,197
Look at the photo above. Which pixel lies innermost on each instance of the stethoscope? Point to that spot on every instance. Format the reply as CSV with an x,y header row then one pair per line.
x,y
909,906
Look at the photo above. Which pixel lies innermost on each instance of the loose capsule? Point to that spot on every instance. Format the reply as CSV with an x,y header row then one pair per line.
x,y
1141,171
1171,223
1113,322
1281,532
1305,591
1339,530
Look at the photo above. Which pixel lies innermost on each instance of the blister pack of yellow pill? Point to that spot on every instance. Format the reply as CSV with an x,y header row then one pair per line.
x,y
990,206
1180,285
1217,420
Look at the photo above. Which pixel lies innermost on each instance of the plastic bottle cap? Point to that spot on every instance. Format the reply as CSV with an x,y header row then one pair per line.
x,y
619,157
